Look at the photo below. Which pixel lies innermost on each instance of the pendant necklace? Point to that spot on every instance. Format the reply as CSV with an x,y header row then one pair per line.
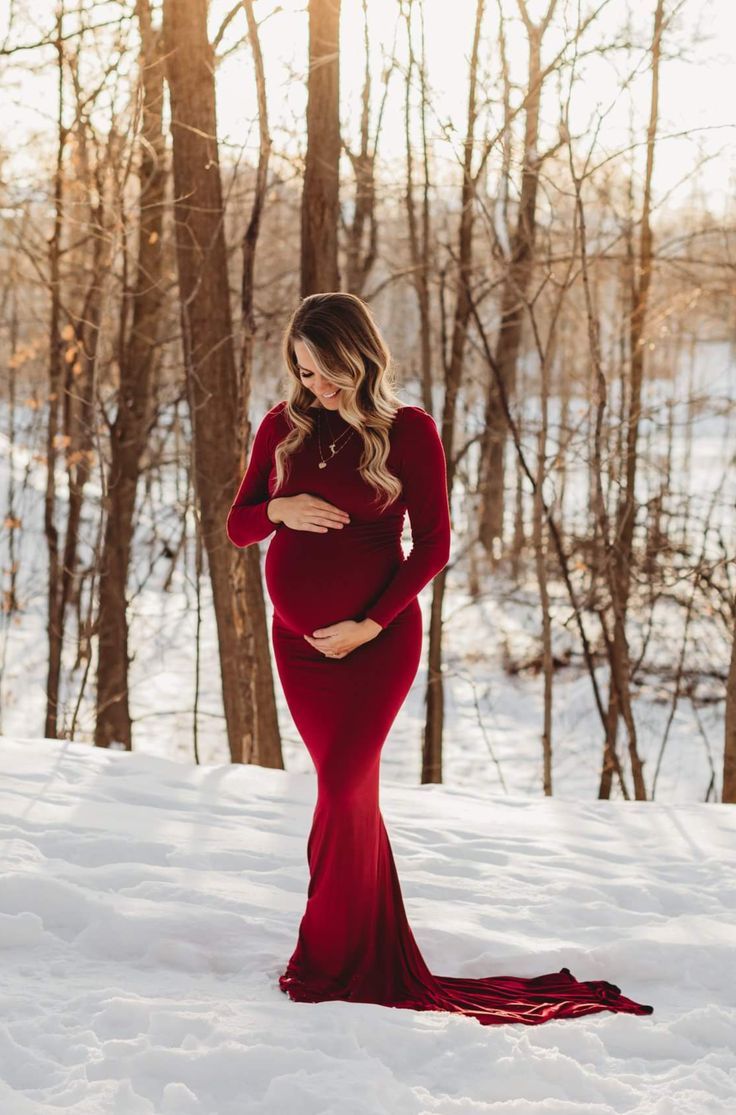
x,y
333,451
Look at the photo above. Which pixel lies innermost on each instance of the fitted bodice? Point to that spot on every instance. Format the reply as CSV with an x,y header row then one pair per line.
x,y
357,571
316,578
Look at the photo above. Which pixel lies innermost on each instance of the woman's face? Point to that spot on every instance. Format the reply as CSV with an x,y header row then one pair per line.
x,y
326,393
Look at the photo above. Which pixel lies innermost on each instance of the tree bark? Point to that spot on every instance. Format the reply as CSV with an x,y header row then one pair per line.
x,y
514,298
435,697
619,697
247,584
321,191
129,431
55,617
419,247
729,753
360,257
208,348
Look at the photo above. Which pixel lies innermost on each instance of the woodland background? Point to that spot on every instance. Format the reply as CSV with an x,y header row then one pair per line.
x,y
553,269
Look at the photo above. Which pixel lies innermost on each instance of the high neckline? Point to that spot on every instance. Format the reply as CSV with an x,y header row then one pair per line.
x,y
333,414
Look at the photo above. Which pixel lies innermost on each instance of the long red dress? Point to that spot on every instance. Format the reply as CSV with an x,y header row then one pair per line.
x,y
354,940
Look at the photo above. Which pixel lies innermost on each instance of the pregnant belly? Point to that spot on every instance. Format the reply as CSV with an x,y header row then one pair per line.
x,y
316,579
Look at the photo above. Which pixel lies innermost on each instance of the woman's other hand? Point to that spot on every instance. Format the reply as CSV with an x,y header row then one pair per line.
x,y
338,639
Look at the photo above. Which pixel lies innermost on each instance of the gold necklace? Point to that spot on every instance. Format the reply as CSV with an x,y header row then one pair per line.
x,y
345,434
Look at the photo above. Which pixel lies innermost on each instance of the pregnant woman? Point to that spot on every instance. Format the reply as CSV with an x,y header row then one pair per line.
x,y
332,471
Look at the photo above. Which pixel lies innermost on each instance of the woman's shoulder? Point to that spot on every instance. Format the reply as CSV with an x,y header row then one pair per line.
x,y
274,417
412,418
276,409
272,427
409,410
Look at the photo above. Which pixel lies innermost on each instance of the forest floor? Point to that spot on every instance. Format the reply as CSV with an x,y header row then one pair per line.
x,y
147,907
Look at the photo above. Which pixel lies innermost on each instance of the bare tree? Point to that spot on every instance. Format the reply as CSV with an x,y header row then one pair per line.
x,y
55,608
130,427
622,553
435,698
729,751
361,239
515,290
247,584
420,253
321,191
209,354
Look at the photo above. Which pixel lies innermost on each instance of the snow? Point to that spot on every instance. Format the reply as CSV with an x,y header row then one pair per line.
x,y
148,905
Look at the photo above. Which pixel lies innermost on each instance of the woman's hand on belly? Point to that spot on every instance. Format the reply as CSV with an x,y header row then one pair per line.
x,y
338,639
308,512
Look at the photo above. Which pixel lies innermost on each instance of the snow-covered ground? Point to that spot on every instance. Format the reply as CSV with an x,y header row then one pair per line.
x,y
147,907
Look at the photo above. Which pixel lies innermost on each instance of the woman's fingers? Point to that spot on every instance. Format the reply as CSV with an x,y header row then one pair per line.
x,y
318,515
331,513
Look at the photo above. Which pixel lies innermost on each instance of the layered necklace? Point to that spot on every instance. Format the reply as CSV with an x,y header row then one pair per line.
x,y
333,443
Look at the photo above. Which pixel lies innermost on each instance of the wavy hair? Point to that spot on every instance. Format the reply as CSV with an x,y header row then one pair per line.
x,y
340,333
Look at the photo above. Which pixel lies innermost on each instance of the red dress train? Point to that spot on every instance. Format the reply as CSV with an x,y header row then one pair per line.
x,y
354,940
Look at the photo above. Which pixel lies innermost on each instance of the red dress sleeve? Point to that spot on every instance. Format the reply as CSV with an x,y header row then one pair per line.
x,y
247,521
423,472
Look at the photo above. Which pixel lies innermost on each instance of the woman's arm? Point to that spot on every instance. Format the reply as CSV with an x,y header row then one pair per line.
x,y
247,520
423,473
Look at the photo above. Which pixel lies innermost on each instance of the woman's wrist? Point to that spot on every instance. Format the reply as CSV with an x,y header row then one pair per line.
x,y
272,510
371,626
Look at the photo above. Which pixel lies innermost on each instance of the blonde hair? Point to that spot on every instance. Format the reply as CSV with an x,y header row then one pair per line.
x,y
345,343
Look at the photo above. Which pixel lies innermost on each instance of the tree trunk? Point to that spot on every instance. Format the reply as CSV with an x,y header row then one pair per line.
x,y
432,748
55,618
419,248
513,301
81,370
540,552
129,431
619,697
321,192
209,355
360,258
247,584
729,753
